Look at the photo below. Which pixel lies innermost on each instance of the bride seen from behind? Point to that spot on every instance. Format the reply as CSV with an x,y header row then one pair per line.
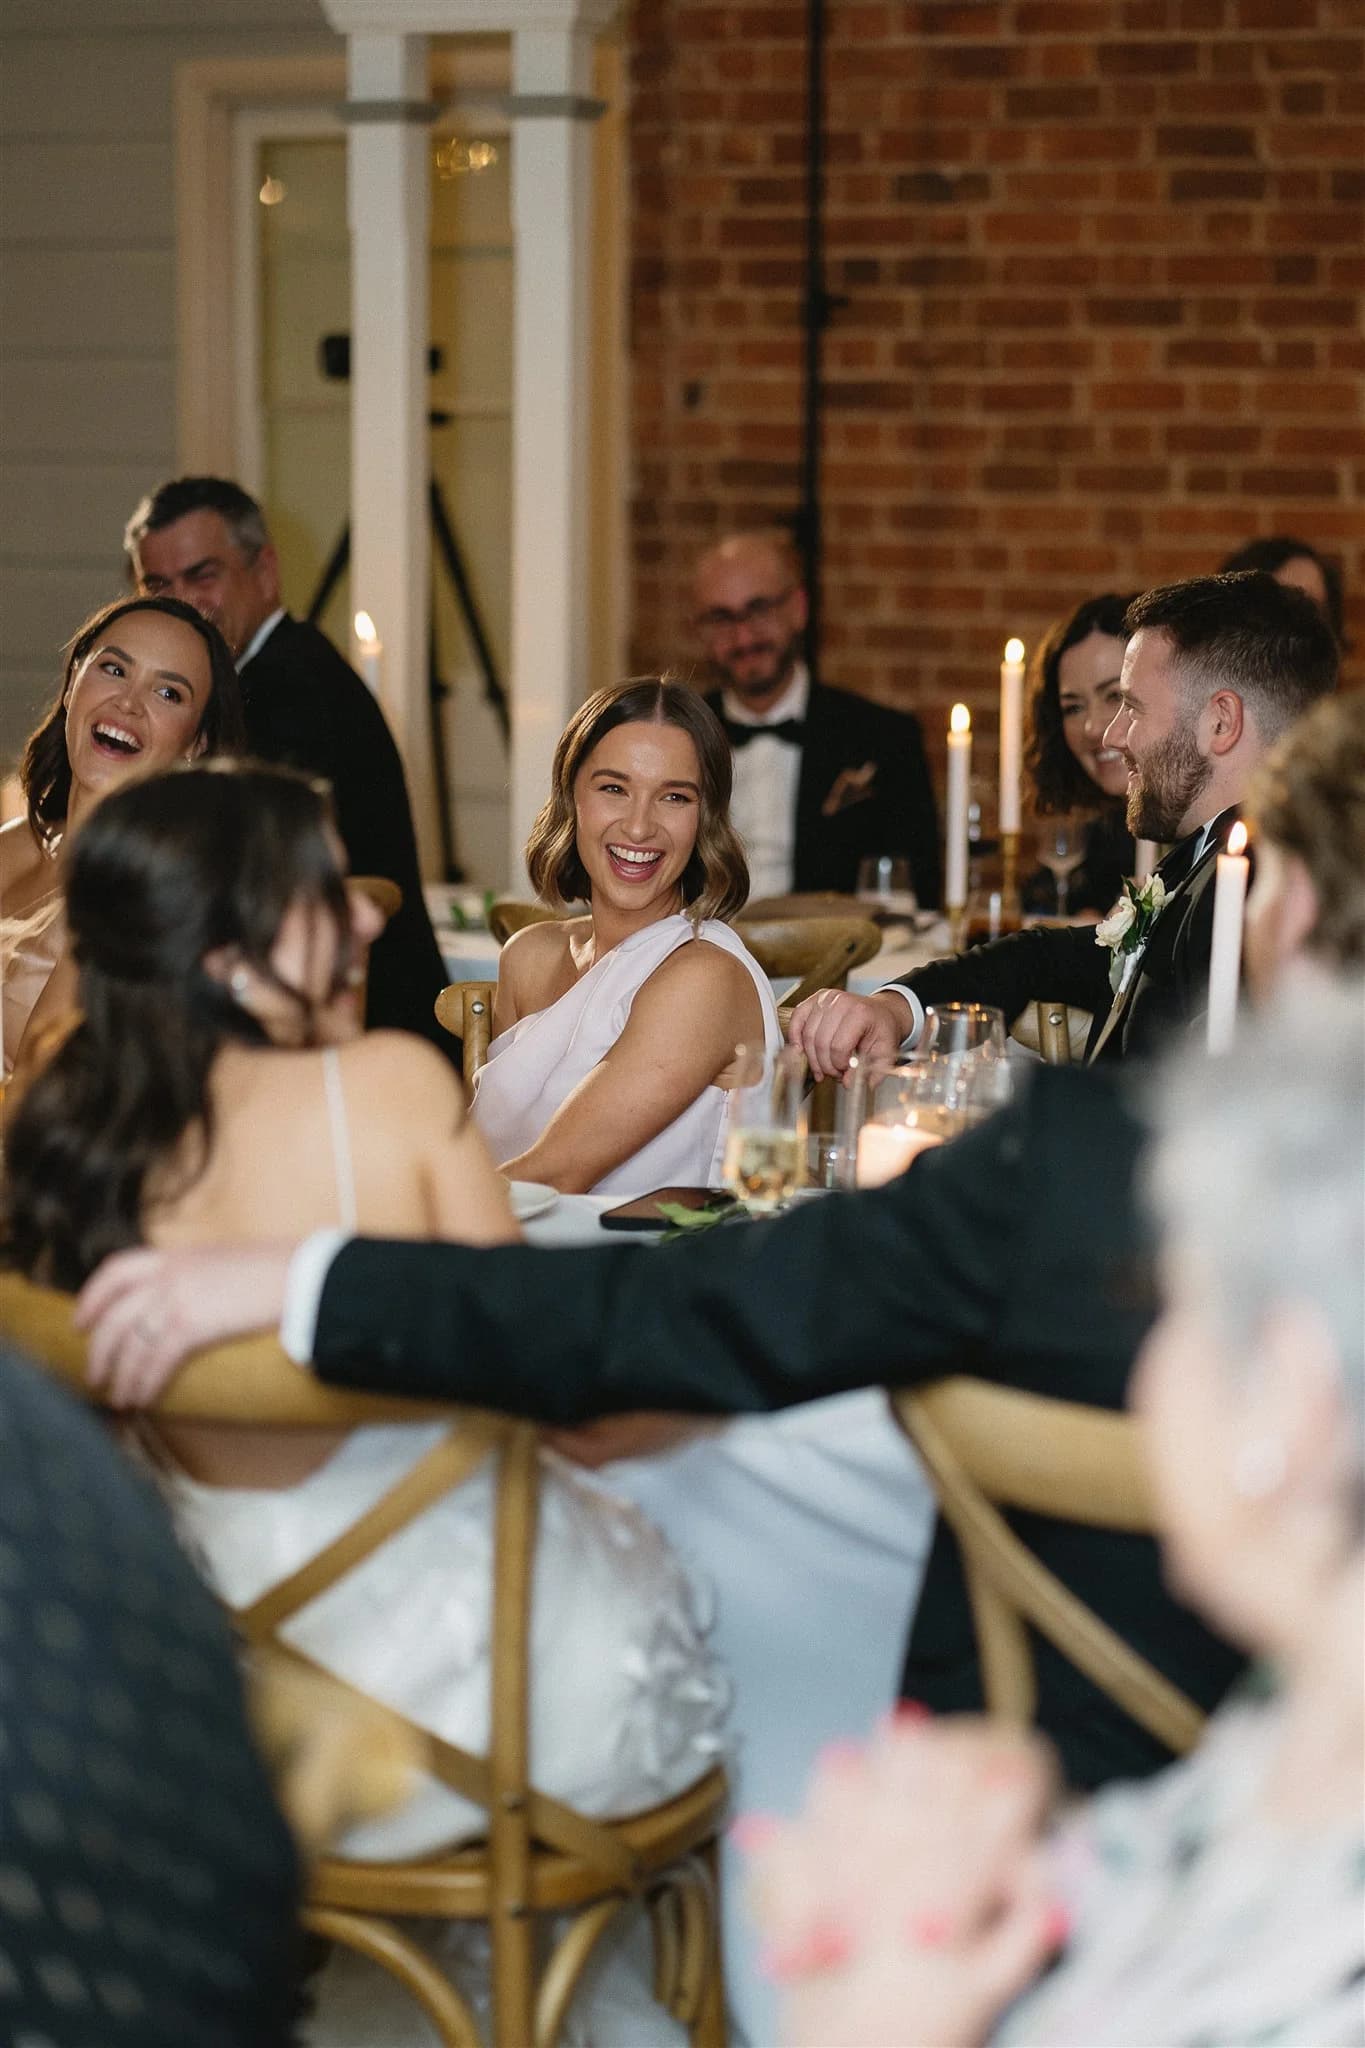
x,y
615,1030
217,1086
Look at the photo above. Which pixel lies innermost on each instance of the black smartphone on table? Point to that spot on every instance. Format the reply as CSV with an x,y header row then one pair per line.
x,y
645,1212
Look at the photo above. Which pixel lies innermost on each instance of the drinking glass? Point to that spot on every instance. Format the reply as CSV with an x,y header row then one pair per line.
x,y
916,1103
829,1161
765,1147
885,885
1061,849
959,1028
985,1085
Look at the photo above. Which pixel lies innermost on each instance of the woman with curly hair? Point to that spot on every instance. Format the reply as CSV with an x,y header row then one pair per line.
x,y
615,1028
1075,695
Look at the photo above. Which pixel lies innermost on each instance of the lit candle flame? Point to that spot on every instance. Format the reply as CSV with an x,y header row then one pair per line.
x,y
364,627
1237,838
960,719
1014,650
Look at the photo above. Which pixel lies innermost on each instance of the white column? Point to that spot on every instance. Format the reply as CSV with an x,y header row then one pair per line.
x,y
551,194
389,208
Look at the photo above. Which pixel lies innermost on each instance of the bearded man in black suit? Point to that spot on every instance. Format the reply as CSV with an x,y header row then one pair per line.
x,y
823,779
1215,670
204,540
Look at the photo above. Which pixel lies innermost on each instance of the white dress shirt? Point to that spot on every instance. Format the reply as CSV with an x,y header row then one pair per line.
x,y
767,772
259,638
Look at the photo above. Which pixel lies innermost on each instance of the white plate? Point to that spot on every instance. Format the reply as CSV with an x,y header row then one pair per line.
x,y
531,1198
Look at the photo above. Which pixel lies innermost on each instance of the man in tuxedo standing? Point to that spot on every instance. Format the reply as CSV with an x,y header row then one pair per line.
x,y
823,779
201,538
1214,671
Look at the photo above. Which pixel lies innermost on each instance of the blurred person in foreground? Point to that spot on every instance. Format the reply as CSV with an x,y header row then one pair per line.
x,y
924,1892
1016,1253
148,1885
1214,672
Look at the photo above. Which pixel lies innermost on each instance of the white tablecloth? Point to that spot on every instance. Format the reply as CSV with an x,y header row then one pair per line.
x,y
812,1528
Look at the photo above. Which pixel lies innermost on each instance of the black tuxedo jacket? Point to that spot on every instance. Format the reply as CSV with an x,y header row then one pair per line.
x,y
1064,965
842,814
1016,1254
307,707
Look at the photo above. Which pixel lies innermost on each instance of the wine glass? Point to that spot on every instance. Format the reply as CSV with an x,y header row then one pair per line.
x,y
1061,849
885,885
765,1146
956,1029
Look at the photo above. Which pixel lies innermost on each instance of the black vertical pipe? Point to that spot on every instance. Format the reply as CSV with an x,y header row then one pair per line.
x,y
816,313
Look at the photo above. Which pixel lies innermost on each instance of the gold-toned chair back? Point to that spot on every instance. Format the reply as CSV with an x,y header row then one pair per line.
x,y
508,914
1055,1031
988,1448
385,895
820,951
465,1009
540,1855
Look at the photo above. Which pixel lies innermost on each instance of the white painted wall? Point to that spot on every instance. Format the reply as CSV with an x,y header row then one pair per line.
x,y
87,314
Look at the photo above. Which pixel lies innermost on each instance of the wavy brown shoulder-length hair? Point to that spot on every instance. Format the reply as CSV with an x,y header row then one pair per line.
x,y
45,772
1059,781
166,870
1308,797
715,882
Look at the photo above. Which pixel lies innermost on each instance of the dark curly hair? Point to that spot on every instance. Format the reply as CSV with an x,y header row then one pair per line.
x,y
45,771
164,871
1059,782
1273,551
715,882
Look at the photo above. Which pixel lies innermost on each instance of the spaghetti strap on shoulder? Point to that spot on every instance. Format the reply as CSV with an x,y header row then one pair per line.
x,y
342,1169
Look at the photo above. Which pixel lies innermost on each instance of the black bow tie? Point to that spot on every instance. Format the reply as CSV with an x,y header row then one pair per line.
x,y
792,730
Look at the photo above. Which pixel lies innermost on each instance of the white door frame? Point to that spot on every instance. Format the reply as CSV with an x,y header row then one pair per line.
x,y
222,102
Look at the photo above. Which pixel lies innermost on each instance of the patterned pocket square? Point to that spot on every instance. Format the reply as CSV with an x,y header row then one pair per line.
x,y
850,786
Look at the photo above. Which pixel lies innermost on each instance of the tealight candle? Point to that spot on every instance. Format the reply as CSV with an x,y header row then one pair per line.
x,y
1011,733
884,1150
369,653
959,784
1225,954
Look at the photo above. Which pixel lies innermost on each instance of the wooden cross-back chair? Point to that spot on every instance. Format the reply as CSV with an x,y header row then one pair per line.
x,y
988,1448
465,1009
541,1856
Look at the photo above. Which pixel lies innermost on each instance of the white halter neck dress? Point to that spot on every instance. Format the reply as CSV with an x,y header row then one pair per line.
x,y
536,1066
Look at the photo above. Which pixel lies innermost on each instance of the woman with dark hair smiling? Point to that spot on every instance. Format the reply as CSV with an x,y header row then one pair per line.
x,y
614,1029
218,1082
1075,695
148,682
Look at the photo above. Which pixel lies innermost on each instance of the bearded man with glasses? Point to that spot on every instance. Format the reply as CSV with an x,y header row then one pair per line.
x,y
823,779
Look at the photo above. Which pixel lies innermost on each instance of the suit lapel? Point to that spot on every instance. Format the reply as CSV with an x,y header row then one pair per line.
x,y
1164,930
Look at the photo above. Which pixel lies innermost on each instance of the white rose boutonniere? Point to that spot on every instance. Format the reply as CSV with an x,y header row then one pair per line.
x,y
1128,927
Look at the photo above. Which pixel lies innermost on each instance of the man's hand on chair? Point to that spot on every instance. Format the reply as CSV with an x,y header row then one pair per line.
x,y
832,1025
147,1310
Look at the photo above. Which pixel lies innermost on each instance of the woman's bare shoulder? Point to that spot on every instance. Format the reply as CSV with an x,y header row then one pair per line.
x,y
535,955
399,1072
21,857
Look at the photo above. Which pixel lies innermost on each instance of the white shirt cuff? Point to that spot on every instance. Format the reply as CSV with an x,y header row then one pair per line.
x,y
916,1008
304,1282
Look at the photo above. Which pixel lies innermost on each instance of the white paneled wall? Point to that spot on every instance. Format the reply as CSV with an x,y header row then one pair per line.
x,y
87,314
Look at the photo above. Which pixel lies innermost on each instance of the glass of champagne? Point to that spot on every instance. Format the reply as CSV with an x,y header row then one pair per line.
x,y
765,1146
884,884
1061,849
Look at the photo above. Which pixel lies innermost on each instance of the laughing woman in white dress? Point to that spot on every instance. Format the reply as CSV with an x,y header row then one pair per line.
x,y
615,1030
217,1087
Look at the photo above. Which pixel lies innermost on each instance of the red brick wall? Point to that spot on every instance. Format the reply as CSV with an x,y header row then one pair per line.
x,y
1104,262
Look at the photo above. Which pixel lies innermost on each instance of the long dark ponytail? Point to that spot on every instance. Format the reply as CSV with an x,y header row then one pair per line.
x,y
163,872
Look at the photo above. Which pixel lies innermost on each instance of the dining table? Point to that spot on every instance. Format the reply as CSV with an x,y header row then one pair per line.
x,y
805,1533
